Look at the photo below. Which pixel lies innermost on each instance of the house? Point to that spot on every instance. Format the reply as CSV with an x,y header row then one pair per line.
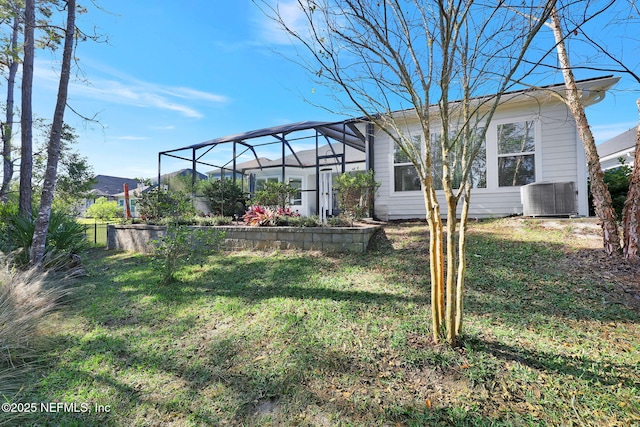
x,y
552,153
109,187
179,180
532,139
619,147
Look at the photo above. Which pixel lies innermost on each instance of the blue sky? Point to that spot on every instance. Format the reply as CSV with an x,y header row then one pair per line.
x,y
176,73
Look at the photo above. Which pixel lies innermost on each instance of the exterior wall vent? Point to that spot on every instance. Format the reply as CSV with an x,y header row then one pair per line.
x,y
549,199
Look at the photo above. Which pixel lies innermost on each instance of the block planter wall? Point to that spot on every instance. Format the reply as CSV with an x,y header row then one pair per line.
x,y
138,237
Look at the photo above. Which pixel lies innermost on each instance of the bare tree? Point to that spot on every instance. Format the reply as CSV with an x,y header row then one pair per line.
x,y
401,62
53,148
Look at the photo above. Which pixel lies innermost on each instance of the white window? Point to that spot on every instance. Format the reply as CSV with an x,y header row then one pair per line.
x,y
516,153
405,175
297,184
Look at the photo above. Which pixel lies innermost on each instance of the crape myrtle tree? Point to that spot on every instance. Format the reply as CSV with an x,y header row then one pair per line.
x,y
402,62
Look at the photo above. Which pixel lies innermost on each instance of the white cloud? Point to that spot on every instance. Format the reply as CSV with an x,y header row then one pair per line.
x,y
290,13
119,88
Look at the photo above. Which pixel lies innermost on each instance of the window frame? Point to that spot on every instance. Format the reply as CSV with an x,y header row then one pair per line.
x,y
496,155
394,165
300,192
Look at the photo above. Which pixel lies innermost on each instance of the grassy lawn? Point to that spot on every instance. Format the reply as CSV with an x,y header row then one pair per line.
x,y
304,339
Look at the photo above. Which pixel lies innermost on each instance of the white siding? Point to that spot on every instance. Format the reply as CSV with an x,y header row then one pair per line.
x,y
558,158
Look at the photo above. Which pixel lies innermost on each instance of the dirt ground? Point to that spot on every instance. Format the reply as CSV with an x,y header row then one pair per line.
x,y
589,260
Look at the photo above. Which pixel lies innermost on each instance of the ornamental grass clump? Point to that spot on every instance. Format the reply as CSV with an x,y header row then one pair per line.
x,y
26,299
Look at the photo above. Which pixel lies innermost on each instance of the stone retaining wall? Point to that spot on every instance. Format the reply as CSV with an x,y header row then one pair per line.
x,y
137,237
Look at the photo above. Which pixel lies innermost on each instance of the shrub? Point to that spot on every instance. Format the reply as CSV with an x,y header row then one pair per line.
x,y
299,221
340,221
618,182
182,245
224,197
65,239
274,195
104,210
156,204
213,220
356,192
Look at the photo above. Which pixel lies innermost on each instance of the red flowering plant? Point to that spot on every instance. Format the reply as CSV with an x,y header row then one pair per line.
x,y
263,216
287,212
260,216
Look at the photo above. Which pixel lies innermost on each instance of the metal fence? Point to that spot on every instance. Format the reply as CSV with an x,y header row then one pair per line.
x,y
96,233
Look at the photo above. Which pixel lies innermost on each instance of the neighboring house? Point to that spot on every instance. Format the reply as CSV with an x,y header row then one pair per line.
x,y
621,146
109,187
176,180
548,151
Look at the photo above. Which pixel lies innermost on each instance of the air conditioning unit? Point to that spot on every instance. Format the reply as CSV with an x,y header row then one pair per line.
x,y
549,199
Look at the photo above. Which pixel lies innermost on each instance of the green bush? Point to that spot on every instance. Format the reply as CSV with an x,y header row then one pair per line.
x,y
182,245
298,221
65,239
224,197
618,182
356,192
156,204
104,210
340,221
274,195
213,220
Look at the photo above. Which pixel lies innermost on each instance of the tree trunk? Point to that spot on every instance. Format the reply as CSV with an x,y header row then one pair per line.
x,y
462,262
7,131
53,148
631,213
436,260
26,115
601,196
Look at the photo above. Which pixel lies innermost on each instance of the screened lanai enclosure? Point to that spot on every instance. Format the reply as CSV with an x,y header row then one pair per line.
x,y
307,155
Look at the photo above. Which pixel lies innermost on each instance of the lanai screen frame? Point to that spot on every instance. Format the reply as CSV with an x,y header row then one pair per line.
x,y
345,132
